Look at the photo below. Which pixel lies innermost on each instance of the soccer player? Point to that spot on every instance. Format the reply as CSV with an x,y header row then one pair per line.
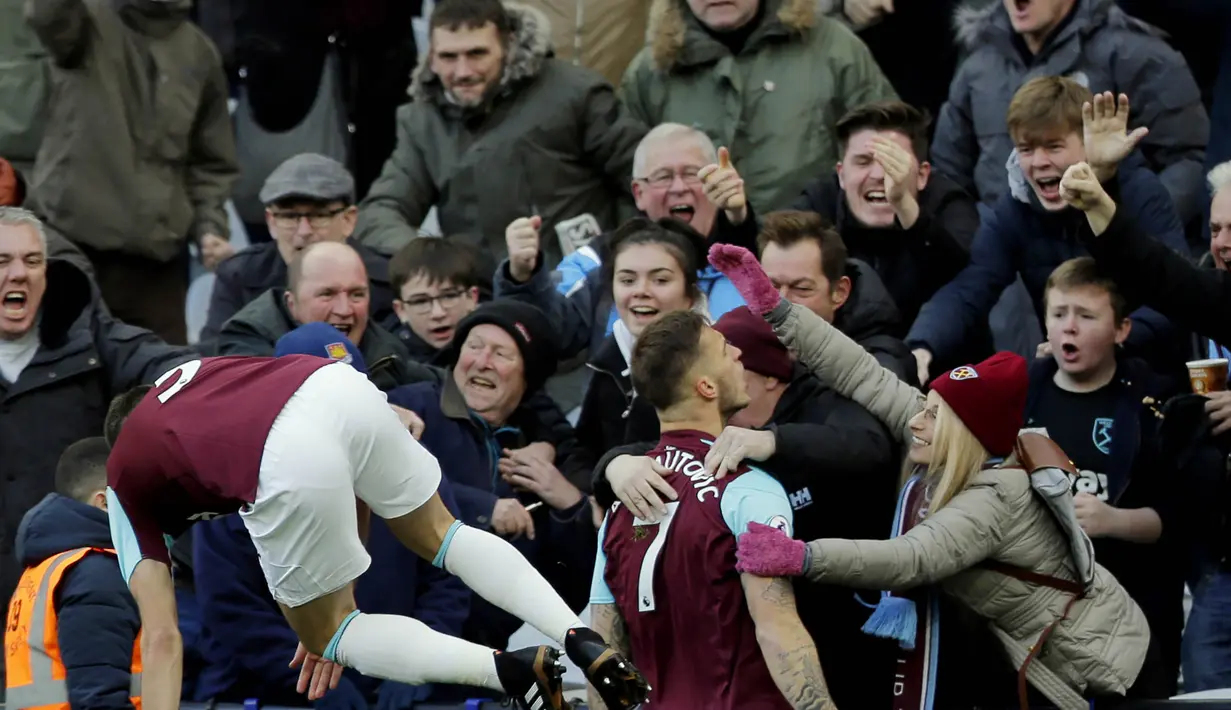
x,y
667,594
303,447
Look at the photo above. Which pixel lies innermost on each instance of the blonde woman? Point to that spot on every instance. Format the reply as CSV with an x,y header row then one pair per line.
x,y
969,521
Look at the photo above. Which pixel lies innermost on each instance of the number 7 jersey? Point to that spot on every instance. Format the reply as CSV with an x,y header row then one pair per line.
x,y
675,585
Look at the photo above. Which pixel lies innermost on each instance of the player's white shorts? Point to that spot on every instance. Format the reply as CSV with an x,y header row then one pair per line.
x,y
336,439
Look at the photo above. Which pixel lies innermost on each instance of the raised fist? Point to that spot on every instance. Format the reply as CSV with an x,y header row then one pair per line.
x,y
1080,188
522,239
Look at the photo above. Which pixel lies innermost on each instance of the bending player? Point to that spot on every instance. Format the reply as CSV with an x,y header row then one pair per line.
x,y
297,445
667,593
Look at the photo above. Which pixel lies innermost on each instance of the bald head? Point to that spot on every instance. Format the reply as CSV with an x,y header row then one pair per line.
x,y
328,282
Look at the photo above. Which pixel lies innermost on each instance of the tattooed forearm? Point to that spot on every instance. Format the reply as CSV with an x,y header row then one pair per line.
x,y
606,620
779,593
789,651
797,673
610,625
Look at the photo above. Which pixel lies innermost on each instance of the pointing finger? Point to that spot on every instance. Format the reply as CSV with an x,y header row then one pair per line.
x,y
724,158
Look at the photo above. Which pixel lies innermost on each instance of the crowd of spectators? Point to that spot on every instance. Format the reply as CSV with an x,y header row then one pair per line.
x,y
493,200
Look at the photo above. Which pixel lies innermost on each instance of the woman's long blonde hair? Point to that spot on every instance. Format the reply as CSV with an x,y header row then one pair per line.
x,y
956,457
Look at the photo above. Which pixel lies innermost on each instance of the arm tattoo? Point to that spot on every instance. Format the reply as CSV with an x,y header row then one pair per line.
x,y
791,654
779,593
606,620
801,680
610,625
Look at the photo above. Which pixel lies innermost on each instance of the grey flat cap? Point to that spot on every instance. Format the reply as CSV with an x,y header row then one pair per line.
x,y
309,176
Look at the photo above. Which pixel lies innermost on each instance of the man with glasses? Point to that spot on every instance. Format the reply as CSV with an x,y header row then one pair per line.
x,y
309,198
436,283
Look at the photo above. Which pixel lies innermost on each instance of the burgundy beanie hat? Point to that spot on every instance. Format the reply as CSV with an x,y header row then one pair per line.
x,y
989,398
762,352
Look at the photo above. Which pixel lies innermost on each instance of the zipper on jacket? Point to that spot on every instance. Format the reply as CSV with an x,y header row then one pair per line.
x,y
629,396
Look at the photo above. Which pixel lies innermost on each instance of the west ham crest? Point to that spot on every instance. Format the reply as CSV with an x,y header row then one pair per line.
x,y
965,372
1100,436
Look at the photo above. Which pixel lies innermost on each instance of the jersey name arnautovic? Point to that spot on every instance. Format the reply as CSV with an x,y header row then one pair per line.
x,y
684,462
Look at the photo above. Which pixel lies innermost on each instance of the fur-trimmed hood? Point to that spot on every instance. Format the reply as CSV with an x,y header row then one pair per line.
x,y
672,26
529,46
973,23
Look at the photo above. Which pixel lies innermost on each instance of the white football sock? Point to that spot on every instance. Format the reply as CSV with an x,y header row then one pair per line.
x,y
405,650
496,571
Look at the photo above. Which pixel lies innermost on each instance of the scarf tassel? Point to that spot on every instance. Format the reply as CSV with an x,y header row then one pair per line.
x,y
894,618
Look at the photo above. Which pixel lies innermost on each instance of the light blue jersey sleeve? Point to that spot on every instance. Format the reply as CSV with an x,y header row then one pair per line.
x,y
600,593
755,497
574,268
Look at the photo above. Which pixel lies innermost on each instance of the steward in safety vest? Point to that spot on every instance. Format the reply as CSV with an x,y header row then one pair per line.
x,y
72,636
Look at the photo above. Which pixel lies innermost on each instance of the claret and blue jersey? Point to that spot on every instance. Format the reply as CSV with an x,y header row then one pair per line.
x,y
192,448
675,585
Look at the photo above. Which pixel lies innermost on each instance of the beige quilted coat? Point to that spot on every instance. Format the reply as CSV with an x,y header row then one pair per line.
x,y
1098,649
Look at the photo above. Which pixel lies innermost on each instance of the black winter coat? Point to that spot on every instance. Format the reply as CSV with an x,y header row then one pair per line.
x,y
85,358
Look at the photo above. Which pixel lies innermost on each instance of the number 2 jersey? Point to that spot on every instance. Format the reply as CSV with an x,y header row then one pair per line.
x,y
192,448
676,587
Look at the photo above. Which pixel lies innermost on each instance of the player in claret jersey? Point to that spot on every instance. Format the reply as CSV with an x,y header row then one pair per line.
x,y
302,447
667,594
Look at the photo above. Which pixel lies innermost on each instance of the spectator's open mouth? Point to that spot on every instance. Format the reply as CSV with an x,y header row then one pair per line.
x,y
1049,188
441,332
344,328
920,443
643,313
1069,352
683,213
15,304
876,197
482,382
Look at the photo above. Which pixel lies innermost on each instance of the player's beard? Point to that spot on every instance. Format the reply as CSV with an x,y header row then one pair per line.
x,y
730,401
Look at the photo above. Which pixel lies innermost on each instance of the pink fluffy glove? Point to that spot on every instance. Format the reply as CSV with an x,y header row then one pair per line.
x,y
767,552
742,268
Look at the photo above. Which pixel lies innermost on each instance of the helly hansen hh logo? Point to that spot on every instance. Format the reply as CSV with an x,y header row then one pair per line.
x,y
801,498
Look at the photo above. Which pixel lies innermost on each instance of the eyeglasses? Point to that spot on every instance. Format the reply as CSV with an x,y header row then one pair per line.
x,y
316,220
664,178
422,305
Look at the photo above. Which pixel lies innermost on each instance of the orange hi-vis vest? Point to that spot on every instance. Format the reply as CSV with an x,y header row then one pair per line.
x,y
35,674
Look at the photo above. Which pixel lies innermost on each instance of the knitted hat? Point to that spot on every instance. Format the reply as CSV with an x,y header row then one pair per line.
x,y
762,352
989,398
322,340
528,327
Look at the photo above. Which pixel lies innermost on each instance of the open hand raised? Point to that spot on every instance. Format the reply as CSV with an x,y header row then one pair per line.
x,y
1105,133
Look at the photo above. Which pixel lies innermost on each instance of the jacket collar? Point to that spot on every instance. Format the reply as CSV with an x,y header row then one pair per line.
x,y
988,22
69,295
452,403
678,40
418,348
